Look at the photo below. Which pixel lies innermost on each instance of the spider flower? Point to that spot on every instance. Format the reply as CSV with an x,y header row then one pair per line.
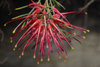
x,y
45,24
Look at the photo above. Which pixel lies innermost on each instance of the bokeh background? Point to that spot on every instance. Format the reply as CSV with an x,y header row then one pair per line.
x,y
85,55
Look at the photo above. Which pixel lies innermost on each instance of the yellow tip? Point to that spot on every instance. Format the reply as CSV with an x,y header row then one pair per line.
x,y
74,34
47,46
88,30
11,41
51,39
86,13
13,18
22,27
80,43
14,49
10,37
15,46
34,57
37,62
85,32
72,48
64,61
48,59
19,56
18,8
66,56
4,24
84,37
18,48
22,54
13,32
59,57
41,60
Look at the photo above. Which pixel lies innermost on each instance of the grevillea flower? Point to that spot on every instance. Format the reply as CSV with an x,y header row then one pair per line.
x,y
43,24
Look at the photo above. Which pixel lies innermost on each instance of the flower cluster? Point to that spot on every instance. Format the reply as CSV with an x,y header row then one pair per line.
x,y
43,24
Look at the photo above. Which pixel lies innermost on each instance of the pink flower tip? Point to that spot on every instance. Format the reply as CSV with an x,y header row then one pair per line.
x,y
86,13
15,46
41,60
13,32
19,56
13,49
72,48
66,56
47,46
38,62
85,32
74,34
4,24
60,57
88,30
48,59
84,37
64,61
22,54
34,56
11,41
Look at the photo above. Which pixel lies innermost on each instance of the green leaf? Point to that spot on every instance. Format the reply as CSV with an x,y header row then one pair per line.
x,y
20,16
57,4
21,7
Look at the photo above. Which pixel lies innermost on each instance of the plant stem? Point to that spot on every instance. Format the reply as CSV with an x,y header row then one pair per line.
x,y
45,2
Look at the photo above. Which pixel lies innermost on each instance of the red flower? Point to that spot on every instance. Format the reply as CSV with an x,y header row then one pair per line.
x,y
41,26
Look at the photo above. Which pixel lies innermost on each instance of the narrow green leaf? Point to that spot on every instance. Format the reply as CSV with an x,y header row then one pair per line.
x,y
21,7
19,16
